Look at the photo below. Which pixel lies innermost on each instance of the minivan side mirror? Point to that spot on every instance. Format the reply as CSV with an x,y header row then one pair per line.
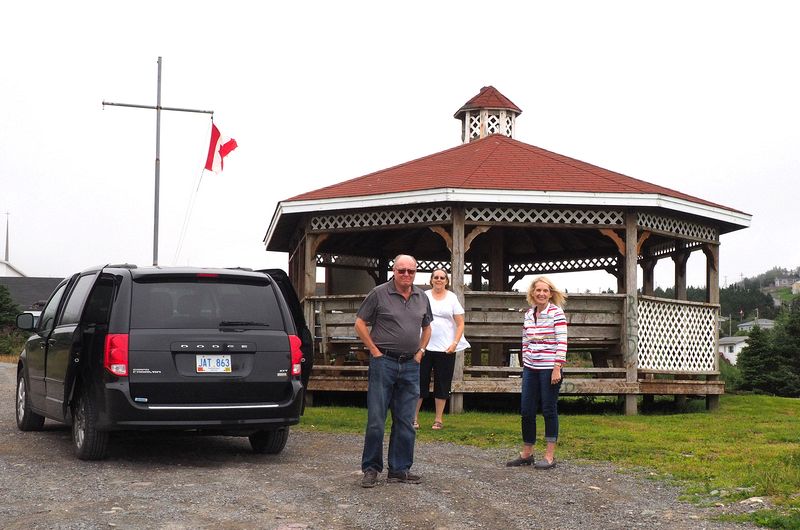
x,y
26,321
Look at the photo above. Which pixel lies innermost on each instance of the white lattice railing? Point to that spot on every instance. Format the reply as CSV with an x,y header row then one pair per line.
x,y
677,336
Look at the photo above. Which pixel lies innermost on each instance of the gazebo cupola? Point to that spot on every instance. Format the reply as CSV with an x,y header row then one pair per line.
x,y
490,112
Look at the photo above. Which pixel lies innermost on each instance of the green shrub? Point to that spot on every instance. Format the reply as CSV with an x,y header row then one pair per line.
x,y
11,343
730,374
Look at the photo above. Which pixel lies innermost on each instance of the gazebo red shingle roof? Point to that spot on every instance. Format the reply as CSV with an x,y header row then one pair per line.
x,y
495,163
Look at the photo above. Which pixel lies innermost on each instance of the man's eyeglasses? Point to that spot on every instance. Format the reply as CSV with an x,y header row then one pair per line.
x,y
405,271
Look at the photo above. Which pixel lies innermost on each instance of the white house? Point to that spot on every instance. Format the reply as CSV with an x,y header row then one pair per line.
x,y
763,323
730,347
796,287
785,281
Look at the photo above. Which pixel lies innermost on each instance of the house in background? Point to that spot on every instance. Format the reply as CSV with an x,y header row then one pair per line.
x,y
730,347
785,281
763,323
796,287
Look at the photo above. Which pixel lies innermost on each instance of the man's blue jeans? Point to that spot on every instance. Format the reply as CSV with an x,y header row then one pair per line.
x,y
392,386
536,390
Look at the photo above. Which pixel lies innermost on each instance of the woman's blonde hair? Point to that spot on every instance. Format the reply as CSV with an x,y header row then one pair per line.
x,y
446,277
558,298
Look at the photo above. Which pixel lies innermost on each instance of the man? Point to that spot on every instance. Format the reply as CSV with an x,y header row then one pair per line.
x,y
400,316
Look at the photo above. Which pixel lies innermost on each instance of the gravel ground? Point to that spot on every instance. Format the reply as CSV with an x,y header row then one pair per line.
x,y
174,481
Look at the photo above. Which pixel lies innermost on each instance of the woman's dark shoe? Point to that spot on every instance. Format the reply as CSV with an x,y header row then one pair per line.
x,y
519,461
544,464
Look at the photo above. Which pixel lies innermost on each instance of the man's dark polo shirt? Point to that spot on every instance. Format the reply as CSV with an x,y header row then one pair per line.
x,y
396,322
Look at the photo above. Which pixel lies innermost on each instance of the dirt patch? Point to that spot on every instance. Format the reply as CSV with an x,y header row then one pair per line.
x,y
175,481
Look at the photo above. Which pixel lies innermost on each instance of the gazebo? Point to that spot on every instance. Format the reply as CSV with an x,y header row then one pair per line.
x,y
492,211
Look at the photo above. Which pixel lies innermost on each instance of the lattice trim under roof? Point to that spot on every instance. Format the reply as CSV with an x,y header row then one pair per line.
x,y
677,227
545,216
438,214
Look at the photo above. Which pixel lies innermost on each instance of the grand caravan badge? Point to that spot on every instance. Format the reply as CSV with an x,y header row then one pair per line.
x,y
145,371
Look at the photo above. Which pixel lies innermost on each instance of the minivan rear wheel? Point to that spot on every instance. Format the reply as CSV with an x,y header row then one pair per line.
x,y
269,442
27,420
89,443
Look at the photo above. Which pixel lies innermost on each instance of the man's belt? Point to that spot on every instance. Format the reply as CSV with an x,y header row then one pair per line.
x,y
397,355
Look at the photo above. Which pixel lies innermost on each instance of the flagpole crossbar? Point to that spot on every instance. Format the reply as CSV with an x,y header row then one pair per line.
x,y
158,108
153,107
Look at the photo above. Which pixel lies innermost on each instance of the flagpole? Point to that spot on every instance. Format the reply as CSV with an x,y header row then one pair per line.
x,y
158,167
158,108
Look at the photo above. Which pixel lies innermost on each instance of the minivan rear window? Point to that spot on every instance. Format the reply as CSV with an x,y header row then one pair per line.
x,y
176,303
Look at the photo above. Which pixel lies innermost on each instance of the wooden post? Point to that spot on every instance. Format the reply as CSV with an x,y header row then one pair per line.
x,y
680,258
630,346
383,270
648,281
711,250
457,278
497,282
308,264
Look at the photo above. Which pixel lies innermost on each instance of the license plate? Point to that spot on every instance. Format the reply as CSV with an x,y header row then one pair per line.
x,y
213,363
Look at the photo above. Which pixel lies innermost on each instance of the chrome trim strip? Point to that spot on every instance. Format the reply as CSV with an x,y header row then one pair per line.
x,y
209,407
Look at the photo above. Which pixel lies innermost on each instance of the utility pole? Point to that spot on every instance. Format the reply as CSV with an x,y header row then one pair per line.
x,y
158,108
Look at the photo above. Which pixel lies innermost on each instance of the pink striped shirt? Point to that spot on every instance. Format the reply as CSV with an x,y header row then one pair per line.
x,y
544,338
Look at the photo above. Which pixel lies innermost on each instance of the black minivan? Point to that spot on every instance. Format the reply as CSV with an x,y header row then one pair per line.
x,y
125,348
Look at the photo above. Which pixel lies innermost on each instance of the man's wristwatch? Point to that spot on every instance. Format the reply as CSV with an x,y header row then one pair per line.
x,y
421,350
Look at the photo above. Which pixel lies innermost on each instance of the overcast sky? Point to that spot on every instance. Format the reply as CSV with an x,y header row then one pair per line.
x,y
701,97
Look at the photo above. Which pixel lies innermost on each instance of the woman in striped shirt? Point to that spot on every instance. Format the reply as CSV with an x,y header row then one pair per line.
x,y
544,351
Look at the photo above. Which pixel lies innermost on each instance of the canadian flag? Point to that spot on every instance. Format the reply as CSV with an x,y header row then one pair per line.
x,y
220,148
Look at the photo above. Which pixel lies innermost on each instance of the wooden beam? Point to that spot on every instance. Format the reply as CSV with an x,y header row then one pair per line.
x,y
642,238
317,241
478,230
448,241
613,236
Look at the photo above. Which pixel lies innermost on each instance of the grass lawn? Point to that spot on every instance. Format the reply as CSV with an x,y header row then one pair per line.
x,y
749,447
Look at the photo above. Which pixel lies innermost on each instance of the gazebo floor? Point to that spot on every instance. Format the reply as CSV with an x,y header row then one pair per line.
x,y
577,381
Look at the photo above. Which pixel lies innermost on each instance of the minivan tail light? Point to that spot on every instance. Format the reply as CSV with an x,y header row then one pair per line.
x,y
115,355
297,354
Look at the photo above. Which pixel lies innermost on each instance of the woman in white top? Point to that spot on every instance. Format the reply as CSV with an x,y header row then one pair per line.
x,y
447,337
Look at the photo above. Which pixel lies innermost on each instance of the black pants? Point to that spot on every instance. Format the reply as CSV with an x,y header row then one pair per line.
x,y
442,364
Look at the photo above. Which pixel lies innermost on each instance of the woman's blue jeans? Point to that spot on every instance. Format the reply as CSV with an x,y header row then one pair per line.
x,y
536,391
393,386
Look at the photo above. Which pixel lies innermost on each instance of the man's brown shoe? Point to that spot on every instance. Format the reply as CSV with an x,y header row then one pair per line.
x,y
403,476
369,479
